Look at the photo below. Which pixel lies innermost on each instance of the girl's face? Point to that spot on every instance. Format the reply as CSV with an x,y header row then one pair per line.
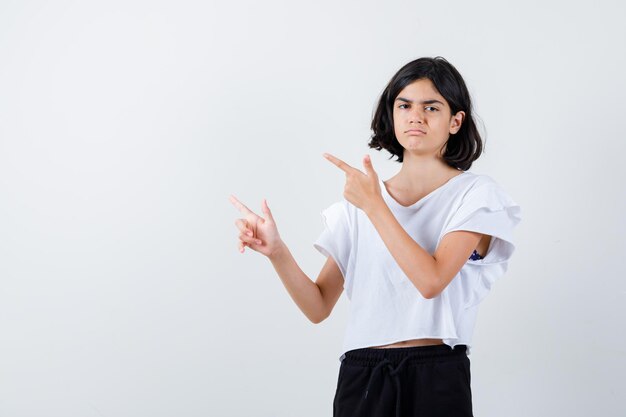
x,y
422,119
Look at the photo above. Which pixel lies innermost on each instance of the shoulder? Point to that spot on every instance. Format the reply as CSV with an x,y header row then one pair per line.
x,y
474,180
481,182
341,210
484,189
338,205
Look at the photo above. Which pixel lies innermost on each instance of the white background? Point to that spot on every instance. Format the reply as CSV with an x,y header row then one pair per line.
x,y
125,126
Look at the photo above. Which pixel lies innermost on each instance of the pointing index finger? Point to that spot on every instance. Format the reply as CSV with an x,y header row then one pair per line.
x,y
240,206
339,163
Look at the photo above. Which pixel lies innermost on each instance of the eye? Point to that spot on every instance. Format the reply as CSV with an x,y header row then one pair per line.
x,y
431,107
401,106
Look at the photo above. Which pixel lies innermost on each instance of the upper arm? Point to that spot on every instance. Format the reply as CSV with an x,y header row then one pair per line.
x,y
330,283
453,252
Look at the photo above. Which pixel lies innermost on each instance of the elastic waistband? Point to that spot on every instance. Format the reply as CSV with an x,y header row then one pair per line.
x,y
423,354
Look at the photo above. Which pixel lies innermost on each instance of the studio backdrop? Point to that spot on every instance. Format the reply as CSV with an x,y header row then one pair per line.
x,y
126,125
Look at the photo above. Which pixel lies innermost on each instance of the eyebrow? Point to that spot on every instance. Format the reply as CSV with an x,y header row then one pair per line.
x,y
430,101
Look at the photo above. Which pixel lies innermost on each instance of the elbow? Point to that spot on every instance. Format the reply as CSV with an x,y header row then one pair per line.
x,y
317,318
431,291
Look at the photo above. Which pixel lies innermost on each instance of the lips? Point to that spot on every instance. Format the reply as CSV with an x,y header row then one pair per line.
x,y
415,131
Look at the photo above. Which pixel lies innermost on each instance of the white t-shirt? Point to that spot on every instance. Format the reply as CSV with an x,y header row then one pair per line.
x,y
385,306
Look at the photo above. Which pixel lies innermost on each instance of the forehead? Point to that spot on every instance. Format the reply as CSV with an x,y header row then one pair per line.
x,y
421,90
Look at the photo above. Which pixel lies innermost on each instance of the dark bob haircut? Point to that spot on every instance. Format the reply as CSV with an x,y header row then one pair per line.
x,y
462,148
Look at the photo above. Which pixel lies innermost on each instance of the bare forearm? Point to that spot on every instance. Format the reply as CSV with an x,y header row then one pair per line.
x,y
304,292
417,264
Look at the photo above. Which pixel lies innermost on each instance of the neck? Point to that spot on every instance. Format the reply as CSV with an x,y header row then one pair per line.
x,y
422,170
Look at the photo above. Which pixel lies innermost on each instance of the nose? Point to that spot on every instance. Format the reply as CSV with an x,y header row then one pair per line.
x,y
416,117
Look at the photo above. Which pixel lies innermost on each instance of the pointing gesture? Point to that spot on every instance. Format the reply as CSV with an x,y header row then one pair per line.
x,y
258,233
362,189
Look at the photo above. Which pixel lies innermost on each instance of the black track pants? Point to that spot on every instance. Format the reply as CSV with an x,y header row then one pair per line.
x,y
424,381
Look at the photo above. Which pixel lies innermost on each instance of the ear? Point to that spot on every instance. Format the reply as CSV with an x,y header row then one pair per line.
x,y
456,122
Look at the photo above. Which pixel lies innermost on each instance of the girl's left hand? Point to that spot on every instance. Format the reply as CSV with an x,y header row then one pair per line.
x,y
362,190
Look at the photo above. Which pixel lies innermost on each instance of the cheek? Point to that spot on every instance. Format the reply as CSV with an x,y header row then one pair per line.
x,y
396,130
396,122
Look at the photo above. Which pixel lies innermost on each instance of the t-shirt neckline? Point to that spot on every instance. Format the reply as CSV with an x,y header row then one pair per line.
x,y
442,186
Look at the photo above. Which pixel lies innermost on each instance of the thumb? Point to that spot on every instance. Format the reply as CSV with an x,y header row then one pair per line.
x,y
369,168
267,211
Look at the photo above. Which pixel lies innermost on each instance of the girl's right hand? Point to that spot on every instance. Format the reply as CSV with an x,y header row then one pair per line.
x,y
256,232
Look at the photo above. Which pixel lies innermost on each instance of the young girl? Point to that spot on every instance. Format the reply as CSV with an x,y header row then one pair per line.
x,y
416,253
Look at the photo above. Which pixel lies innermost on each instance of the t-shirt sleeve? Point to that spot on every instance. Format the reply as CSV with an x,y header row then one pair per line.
x,y
486,209
335,238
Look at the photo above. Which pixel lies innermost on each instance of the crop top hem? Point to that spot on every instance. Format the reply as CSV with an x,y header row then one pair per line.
x,y
449,342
